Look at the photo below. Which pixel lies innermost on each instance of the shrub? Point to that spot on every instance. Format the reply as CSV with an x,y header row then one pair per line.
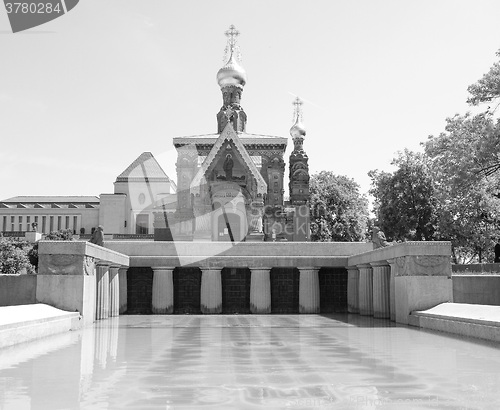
x,y
14,257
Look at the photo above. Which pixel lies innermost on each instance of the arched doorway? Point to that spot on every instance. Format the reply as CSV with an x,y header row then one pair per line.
x,y
229,227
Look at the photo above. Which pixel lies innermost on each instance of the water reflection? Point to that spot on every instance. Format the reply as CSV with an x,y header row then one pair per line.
x,y
250,362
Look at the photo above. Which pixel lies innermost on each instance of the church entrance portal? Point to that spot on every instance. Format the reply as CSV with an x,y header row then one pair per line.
x,y
229,227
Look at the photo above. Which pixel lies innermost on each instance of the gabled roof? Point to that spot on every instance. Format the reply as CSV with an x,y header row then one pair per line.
x,y
228,135
145,167
246,139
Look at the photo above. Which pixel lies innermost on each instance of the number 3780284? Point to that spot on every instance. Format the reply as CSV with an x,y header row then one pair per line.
x,y
33,8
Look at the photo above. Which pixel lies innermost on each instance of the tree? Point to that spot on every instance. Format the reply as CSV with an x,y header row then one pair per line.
x,y
487,89
339,212
405,203
14,257
463,154
62,235
468,194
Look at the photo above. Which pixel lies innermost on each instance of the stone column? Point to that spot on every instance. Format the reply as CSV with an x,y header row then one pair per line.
x,y
114,291
123,290
392,288
309,290
211,290
352,289
365,289
163,291
102,302
381,279
260,291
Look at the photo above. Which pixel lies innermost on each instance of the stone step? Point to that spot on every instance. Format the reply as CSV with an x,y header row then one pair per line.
x,y
479,321
24,323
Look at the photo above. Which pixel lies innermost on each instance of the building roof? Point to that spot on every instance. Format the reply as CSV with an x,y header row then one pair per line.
x,y
47,202
246,139
227,135
145,167
51,199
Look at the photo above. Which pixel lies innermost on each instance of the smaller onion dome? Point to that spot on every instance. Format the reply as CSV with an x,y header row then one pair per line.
x,y
231,74
298,130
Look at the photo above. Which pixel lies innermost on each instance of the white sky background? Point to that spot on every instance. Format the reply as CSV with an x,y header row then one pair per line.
x,y
84,95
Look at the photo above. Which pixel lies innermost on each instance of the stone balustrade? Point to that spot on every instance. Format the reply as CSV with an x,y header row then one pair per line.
x,y
392,282
80,276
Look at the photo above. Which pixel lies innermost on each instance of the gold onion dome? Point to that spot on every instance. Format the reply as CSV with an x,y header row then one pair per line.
x,y
298,130
231,74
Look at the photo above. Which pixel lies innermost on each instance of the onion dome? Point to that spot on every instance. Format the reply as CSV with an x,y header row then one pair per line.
x,y
298,130
232,74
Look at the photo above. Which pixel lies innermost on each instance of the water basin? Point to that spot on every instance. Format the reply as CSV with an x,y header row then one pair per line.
x,y
250,362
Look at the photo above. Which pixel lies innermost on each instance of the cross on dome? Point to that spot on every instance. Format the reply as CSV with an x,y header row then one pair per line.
x,y
297,112
232,47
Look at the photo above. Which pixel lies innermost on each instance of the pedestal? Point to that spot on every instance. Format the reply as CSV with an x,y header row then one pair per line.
x,y
255,237
309,290
163,291
421,282
32,236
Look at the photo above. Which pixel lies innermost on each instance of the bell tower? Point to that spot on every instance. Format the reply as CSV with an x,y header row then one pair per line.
x,y
299,177
231,79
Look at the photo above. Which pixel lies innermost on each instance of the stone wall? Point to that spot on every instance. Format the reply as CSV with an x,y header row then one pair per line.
x,y
17,290
476,268
476,289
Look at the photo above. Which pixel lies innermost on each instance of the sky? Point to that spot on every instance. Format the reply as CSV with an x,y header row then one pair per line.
x,y
84,95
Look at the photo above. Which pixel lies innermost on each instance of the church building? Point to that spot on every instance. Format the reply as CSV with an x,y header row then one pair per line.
x,y
230,185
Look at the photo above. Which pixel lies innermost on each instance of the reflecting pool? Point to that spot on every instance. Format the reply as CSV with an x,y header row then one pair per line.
x,y
250,362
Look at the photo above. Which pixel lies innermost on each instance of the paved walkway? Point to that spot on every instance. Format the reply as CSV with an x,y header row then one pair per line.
x,y
10,315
